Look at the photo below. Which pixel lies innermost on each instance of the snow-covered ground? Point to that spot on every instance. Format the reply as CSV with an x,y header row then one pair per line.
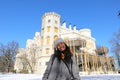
x,y
38,77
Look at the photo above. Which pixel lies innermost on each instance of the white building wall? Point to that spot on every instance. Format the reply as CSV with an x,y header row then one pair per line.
x,y
53,17
53,20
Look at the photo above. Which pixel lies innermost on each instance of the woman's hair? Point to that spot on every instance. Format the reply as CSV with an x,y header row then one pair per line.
x,y
66,52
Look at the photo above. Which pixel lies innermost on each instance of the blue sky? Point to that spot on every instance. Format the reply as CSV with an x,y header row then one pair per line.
x,y
20,19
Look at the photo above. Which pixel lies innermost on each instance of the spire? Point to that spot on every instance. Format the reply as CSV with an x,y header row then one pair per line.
x,y
70,27
64,24
74,27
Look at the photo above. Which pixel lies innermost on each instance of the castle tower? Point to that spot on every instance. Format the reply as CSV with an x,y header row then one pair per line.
x,y
49,31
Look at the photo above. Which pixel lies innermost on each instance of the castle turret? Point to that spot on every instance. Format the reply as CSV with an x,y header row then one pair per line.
x,y
64,24
74,27
50,31
70,27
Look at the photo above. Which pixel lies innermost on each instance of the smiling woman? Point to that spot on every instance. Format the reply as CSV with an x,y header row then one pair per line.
x,y
62,65
61,46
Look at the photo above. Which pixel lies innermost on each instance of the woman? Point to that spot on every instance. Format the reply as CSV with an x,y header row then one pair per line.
x,y
62,65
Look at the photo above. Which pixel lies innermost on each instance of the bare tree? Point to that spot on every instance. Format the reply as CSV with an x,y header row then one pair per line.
x,y
32,59
7,57
24,61
2,61
28,59
115,41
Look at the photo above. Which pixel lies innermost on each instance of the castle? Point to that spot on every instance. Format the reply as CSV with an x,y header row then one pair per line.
x,y
35,56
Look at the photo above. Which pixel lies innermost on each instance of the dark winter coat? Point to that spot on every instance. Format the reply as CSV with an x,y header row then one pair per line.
x,y
59,70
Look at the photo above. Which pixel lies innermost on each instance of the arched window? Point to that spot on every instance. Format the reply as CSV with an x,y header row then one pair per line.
x,y
41,40
56,22
47,50
49,21
55,37
42,30
56,29
48,40
48,29
84,43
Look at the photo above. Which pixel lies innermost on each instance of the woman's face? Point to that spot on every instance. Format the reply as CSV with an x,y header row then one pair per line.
x,y
61,46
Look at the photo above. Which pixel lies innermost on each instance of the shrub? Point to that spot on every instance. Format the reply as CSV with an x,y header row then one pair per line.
x,y
24,71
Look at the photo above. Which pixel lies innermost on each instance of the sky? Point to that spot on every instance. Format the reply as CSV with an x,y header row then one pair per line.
x,y
20,19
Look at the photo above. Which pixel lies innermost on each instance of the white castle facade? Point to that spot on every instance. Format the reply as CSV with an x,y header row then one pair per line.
x,y
38,50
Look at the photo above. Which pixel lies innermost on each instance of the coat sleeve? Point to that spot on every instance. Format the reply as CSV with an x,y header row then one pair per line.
x,y
47,71
75,69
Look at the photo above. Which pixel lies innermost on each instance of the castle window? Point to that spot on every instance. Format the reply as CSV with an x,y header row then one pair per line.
x,y
48,29
84,44
48,40
40,64
41,40
55,37
56,22
46,63
49,21
42,30
47,50
56,29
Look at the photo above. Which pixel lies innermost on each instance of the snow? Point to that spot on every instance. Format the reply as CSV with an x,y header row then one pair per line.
x,y
38,77
20,77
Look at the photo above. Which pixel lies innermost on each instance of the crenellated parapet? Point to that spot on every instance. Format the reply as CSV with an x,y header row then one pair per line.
x,y
51,14
85,32
69,27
